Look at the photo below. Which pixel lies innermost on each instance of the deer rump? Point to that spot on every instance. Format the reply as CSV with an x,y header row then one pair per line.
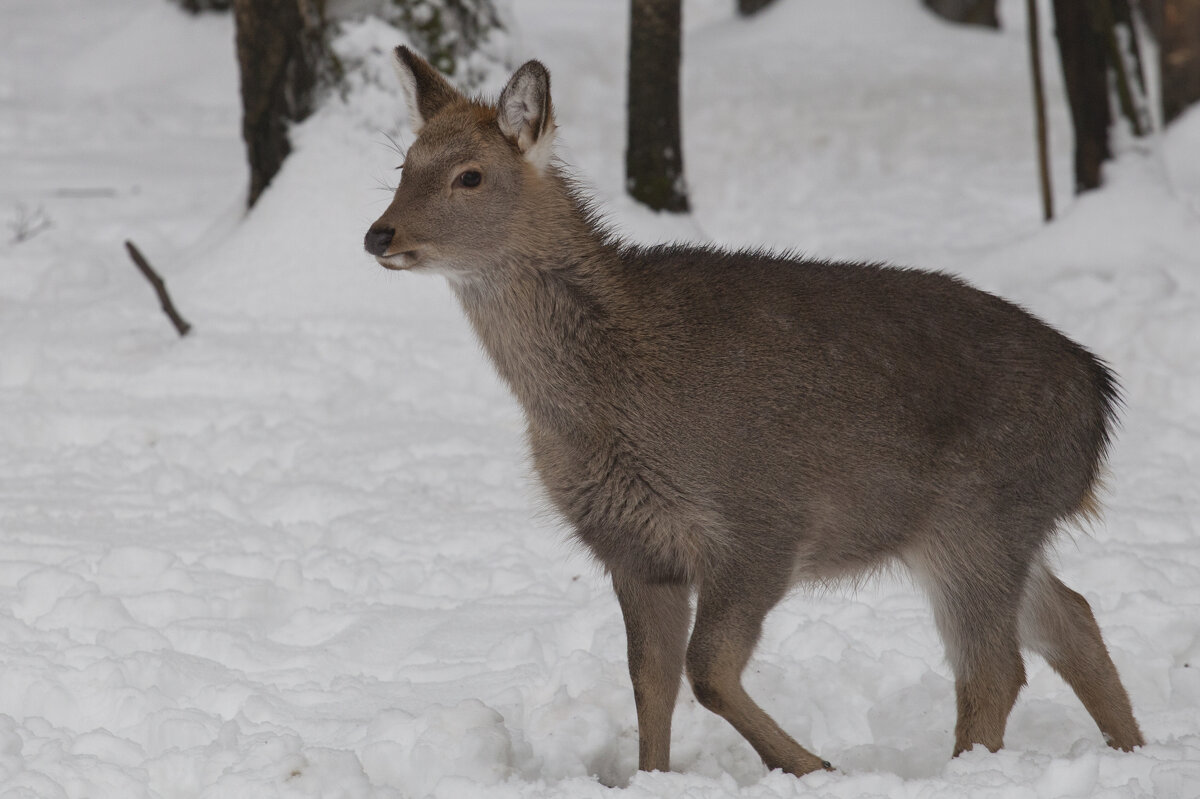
x,y
724,424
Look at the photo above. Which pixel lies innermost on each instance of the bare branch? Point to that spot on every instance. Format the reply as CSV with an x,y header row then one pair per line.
x,y
160,288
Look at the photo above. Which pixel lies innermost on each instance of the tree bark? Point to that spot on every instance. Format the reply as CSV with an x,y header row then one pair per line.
x,y
1097,40
1085,72
1176,26
1125,60
279,48
968,12
654,156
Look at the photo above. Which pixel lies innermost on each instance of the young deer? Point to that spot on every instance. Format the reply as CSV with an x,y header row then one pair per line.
x,y
732,423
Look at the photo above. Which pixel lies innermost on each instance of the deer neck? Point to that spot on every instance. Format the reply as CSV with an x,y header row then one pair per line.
x,y
542,315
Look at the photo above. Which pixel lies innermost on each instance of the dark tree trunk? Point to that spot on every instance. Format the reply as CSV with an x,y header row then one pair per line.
x,y
1097,41
1114,19
750,7
1085,72
654,157
279,48
1176,26
969,12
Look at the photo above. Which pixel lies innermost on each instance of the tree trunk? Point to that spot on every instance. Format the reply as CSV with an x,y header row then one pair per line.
x,y
1114,19
1097,41
654,157
1039,110
279,47
1085,72
1176,26
969,12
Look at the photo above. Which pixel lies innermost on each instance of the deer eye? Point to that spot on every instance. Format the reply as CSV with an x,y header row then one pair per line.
x,y
469,179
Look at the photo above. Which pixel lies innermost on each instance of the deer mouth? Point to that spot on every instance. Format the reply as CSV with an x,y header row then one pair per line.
x,y
398,261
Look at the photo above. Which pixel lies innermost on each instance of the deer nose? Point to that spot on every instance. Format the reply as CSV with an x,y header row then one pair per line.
x,y
377,240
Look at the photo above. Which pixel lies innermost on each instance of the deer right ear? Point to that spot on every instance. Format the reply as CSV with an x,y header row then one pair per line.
x,y
425,90
525,114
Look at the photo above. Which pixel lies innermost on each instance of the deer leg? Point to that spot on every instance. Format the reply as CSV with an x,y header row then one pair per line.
x,y
656,628
728,622
976,608
1058,624
987,681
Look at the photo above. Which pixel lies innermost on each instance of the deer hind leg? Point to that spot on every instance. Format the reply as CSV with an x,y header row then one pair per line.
x,y
976,608
656,628
1057,623
729,618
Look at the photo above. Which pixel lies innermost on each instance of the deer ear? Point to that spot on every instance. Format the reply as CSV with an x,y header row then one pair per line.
x,y
425,90
525,114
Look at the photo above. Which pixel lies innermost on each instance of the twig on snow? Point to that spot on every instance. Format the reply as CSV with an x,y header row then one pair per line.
x,y
28,223
160,288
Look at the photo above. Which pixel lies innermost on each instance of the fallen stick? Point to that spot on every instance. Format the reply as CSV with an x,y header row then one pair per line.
x,y
160,288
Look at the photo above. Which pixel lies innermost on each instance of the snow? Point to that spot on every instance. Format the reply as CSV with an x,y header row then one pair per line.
x,y
300,553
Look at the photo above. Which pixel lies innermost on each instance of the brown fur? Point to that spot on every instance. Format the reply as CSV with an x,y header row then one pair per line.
x,y
727,423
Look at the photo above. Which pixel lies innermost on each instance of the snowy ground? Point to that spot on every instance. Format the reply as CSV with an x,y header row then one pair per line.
x,y
299,553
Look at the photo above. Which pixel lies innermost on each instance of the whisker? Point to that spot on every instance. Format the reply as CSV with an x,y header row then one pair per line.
x,y
383,185
401,151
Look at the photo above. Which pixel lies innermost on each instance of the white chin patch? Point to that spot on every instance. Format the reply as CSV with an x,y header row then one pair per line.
x,y
398,261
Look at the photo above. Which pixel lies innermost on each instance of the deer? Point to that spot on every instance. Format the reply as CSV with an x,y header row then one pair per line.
x,y
723,426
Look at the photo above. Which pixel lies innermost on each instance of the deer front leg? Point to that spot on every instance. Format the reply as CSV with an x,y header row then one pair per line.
x,y
729,618
656,628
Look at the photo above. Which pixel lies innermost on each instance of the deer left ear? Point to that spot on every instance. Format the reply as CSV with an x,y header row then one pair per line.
x,y
425,90
525,114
